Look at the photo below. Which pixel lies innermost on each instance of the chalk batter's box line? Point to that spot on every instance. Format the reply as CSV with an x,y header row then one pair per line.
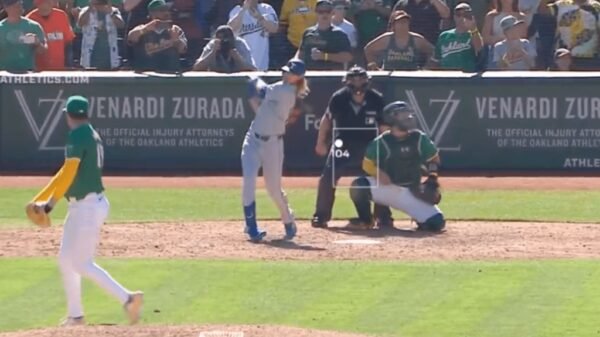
x,y
333,182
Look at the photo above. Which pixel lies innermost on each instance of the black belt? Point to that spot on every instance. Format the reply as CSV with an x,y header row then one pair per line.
x,y
266,138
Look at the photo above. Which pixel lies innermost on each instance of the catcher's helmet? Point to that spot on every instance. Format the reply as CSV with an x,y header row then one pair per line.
x,y
401,115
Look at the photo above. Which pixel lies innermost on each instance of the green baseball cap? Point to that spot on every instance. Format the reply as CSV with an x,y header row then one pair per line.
x,y
156,4
77,106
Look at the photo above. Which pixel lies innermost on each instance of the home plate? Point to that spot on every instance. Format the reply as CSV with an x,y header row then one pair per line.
x,y
357,242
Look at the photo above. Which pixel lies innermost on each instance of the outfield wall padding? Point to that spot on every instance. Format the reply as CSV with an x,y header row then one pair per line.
x,y
163,124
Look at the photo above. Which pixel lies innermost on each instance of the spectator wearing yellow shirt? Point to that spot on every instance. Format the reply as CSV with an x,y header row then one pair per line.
x,y
296,16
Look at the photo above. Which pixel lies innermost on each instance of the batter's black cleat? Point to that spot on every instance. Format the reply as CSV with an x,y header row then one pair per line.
x,y
316,222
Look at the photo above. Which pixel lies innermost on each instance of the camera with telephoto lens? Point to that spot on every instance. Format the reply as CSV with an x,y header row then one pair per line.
x,y
226,46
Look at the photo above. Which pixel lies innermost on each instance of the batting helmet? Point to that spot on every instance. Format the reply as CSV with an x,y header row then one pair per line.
x,y
401,115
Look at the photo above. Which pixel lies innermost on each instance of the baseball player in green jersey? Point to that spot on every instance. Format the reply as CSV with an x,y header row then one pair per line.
x,y
80,181
394,162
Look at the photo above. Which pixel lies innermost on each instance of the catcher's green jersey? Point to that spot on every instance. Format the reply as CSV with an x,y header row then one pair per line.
x,y
402,159
85,143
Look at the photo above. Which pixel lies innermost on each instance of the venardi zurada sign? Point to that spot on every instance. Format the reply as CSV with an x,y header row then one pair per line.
x,y
52,108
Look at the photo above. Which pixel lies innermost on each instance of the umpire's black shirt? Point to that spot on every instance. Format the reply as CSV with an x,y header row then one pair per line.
x,y
345,113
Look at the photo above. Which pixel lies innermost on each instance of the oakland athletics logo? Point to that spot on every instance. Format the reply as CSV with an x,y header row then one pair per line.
x,y
447,108
52,116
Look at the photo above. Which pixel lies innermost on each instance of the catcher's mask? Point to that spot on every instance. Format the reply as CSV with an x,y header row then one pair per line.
x,y
400,115
354,73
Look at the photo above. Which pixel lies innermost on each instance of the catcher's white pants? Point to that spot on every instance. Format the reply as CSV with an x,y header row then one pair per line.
x,y
401,198
76,258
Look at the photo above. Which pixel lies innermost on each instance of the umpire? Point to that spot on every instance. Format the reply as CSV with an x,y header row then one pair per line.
x,y
352,111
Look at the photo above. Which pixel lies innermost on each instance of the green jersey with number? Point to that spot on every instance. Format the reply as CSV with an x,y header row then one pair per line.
x,y
402,159
85,144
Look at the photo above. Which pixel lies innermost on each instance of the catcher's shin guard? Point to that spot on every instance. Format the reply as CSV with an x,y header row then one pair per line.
x,y
434,224
360,193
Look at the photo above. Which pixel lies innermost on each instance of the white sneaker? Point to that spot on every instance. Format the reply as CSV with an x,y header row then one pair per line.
x,y
73,321
133,307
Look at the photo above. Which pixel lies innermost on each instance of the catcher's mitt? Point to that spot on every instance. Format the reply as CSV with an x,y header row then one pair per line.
x,y
428,191
38,214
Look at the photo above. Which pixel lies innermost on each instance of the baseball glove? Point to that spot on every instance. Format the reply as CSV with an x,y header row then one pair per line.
x,y
257,88
428,191
38,214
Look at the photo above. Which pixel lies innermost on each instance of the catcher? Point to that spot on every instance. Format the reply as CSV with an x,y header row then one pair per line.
x,y
80,181
394,163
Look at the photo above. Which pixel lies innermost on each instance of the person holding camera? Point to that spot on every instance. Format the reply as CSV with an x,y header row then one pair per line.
x,y
459,48
20,39
159,43
99,23
226,53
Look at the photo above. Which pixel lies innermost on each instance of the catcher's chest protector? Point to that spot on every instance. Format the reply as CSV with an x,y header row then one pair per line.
x,y
403,165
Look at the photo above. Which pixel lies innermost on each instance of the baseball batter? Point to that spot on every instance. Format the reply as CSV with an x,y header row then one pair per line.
x,y
263,145
393,162
80,181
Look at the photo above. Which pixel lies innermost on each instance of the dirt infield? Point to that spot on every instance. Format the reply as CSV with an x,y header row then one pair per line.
x,y
225,240
178,331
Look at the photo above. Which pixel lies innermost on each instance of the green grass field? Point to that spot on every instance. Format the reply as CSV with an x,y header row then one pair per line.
x,y
406,299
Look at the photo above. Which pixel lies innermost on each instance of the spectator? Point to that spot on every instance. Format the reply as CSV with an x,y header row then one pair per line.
x,y
529,8
371,18
578,24
340,8
426,16
253,22
542,29
400,49
99,23
562,59
137,10
480,10
296,16
457,49
514,53
226,53
492,30
183,14
324,46
58,33
158,43
20,39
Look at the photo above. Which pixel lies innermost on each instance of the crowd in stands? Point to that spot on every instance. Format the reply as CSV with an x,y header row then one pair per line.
x,y
243,35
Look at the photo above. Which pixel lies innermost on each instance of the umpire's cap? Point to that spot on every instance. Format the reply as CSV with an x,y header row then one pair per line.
x,y
77,106
399,114
356,71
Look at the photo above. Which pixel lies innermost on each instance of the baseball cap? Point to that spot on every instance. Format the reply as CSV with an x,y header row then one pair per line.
x,y
295,67
399,15
560,52
156,4
508,22
463,7
326,4
77,106
6,3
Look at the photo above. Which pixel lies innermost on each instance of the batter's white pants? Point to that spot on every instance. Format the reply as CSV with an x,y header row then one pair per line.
x,y
401,198
268,154
78,247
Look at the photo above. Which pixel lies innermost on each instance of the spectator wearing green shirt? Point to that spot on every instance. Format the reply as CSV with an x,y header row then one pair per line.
x,y
370,18
458,48
20,39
